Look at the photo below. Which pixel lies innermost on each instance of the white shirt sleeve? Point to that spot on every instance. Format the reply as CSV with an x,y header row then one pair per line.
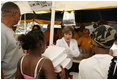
x,y
75,50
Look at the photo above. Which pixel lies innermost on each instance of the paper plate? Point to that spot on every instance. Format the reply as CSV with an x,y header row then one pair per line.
x,y
52,52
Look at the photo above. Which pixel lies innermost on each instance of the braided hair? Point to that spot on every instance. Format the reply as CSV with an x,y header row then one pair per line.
x,y
30,40
112,72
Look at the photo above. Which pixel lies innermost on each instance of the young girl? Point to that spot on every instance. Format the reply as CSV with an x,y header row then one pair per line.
x,y
31,64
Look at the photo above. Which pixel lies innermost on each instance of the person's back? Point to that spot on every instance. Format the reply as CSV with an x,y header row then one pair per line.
x,y
97,66
30,66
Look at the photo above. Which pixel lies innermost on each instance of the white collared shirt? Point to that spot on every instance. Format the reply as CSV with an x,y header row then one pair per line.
x,y
73,47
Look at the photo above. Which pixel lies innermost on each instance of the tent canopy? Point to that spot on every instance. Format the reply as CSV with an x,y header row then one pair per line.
x,y
84,5
70,5
86,11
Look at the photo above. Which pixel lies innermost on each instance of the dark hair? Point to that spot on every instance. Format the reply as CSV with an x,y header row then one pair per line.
x,y
67,29
30,40
9,7
36,26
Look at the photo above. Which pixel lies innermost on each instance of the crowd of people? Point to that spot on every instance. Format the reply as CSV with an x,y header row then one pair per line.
x,y
99,64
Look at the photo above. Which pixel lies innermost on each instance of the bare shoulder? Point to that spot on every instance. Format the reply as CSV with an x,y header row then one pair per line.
x,y
48,63
47,60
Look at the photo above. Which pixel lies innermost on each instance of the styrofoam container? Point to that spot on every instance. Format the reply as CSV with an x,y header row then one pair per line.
x,y
58,56
64,64
59,59
52,52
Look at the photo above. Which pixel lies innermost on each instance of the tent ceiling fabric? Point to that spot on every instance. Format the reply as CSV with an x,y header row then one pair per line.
x,y
24,7
70,5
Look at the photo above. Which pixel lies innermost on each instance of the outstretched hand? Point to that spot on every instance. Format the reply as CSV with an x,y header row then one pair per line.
x,y
62,73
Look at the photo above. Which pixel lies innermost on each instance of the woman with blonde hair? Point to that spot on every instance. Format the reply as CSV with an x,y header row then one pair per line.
x,y
67,42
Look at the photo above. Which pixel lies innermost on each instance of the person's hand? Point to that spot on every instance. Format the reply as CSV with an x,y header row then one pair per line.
x,y
62,73
69,52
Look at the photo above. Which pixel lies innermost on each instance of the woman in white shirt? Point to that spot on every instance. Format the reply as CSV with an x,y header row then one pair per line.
x,y
67,42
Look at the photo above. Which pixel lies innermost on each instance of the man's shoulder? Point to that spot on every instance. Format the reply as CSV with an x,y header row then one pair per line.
x,y
6,31
93,58
85,61
4,28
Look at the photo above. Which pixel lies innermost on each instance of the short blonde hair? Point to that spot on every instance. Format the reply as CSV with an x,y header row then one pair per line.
x,y
67,29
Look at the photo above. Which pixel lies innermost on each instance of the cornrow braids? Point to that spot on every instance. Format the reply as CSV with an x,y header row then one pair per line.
x,y
112,72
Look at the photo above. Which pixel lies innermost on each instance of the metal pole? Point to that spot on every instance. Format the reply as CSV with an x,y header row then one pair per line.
x,y
52,23
25,27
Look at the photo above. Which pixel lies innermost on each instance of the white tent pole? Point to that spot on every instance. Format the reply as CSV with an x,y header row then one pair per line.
x,y
52,23
25,27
